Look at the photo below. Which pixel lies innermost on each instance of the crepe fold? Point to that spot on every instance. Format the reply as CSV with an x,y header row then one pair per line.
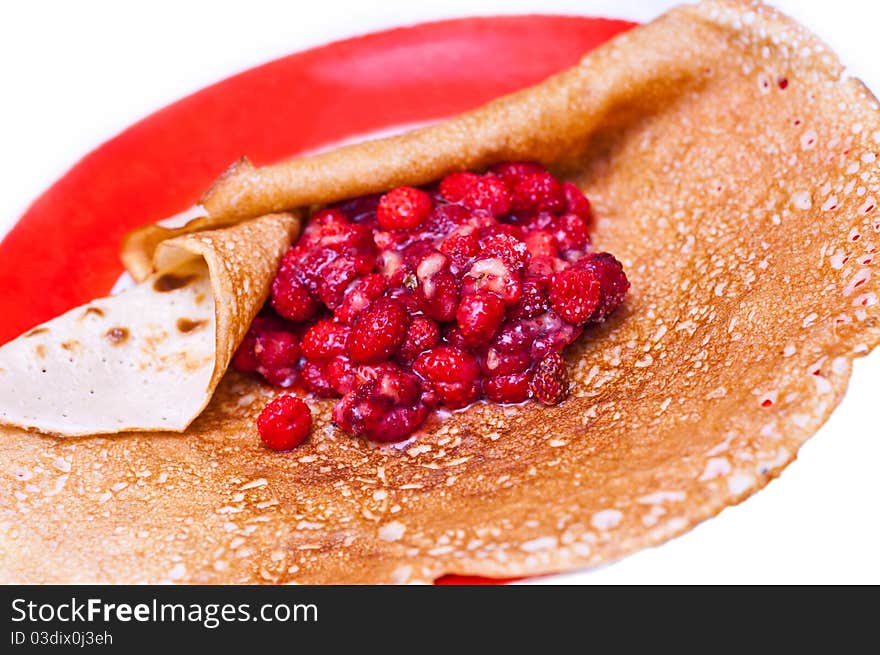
x,y
148,358
732,169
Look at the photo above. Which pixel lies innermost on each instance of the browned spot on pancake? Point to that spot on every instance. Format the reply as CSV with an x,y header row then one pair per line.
x,y
36,331
70,345
97,311
117,335
171,282
41,351
187,325
200,298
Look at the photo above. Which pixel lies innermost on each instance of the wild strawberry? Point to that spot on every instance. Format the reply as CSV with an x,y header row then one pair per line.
x,y
571,232
495,362
479,316
512,251
575,201
451,375
284,423
612,281
316,379
541,243
455,186
361,209
549,383
403,208
277,352
488,193
513,172
378,331
492,275
460,247
445,219
537,192
437,288
359,295
336,277
533,301
575,294
512,388
325,339
423,334
291,299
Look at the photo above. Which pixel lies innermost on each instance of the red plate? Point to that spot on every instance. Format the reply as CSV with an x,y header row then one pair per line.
x,y
63,251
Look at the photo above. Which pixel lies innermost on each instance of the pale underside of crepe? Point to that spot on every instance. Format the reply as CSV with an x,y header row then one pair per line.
x,y
743,208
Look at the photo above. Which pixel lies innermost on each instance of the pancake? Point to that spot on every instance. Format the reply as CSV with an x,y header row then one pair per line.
x,y
732,169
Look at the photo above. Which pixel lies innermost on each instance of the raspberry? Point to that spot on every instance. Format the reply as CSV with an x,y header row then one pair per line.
x,y
291,299
537,192
479,316
423,334
575,201
549,383
451,375
513,388
359,295
284,423
512,251
575,294
513,172
378,331
612,281
488,193
325,339
403,208
455,186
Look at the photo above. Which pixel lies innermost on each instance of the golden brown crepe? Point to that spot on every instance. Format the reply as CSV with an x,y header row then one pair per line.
x,y
743,209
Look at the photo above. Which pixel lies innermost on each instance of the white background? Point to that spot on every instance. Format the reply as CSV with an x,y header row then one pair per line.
x,y
76,73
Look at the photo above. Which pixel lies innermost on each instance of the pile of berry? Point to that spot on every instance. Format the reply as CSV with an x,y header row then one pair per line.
x,y
437,297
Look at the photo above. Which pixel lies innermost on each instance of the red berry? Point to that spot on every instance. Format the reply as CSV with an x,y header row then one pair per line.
x,y
316,379
291,299
378,331
454,186
494,362
513,172
359,295
612,281
423,334
538,192
479,316
493,275
575,294
325,339
403,208
541,243
336,277
571,232
284,423
575,201
460,248
277,352
513,388
437,291
512,251
549,383
323,218
533,301
451,374
488,193
385,408
361,209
